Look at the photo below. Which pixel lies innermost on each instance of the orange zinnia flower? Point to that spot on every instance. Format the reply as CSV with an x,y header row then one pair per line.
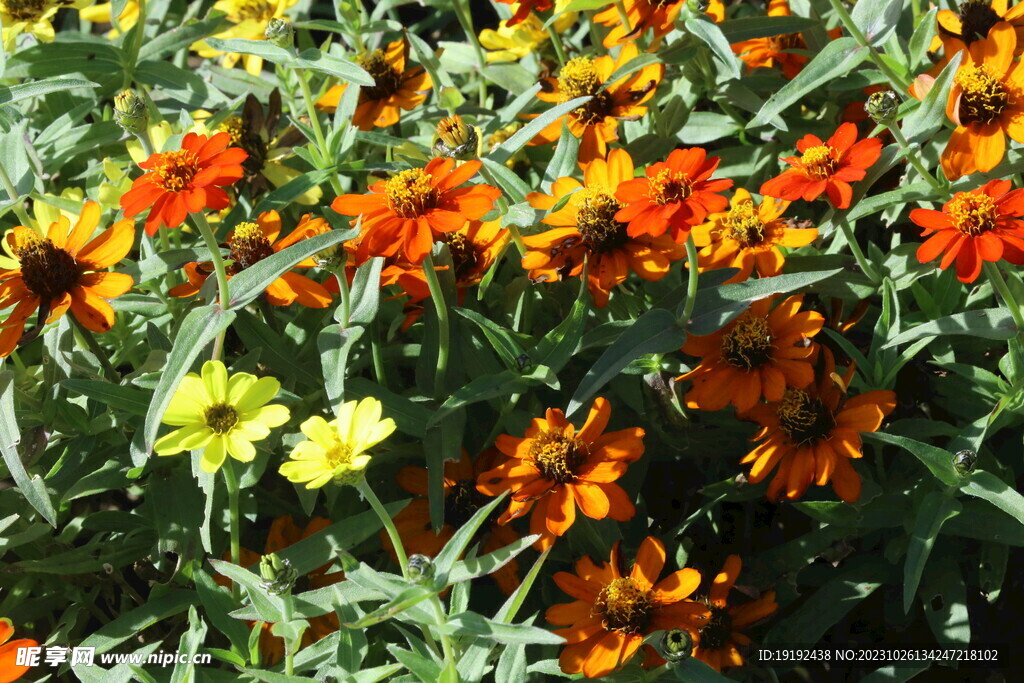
x,y
718,640
64,270
186,180
522,8
980,225
659,15
596,122
554,469
461,501
959,30
826,167
760,353
810,434
250,243
675,195
613,611
748,237
285,532
411,209
774,50
10,670
395,88
586,229
985,104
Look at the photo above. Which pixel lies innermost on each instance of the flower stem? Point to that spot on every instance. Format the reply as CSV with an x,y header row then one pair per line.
x,y
389,526
912,156
339,274
231,484
12,194
133,55
999,283
897,82
623,16
465,16
221,271
288,609
320,153
862,260
94,346
691,283
379,375
446,642
437,296
556,42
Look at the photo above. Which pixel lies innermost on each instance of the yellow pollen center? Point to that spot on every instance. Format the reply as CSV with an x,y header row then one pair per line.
x,y
410,193
983,97
557,456
749,343
256,10
819,161
623,606
221,417
464,256
248,246
234,127
668,186
745,224
386,78
802,418
973,213
578,78
339,453
595,219
48,271
24,10
175,170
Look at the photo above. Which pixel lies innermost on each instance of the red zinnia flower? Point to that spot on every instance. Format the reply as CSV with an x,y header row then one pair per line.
x,y
675,195
825,167
185,180
980,225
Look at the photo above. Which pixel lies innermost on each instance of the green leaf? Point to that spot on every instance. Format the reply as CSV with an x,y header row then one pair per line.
x,y
876,19
923,122
984,522
134,401
284,195
199,328
473,624
933,512
335,343
987,323
838,58
424,668
700,25
254,280
471,568
269,607
693,670
939,461
456,546
409,597
318,60
987,486
501,339
486,387
129,624
502,152
256,48
365,293
558,345
217,603
32,488
656,331
35,89
748,28
943,596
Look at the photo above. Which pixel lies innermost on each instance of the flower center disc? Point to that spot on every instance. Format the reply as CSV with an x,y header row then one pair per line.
x,y
462,502
257,10
47,271
819,161
976,17
221,417
410,193
973,214
983,98
716,633
249,246
557,456
175,170
595,219
24,10
464,257
745,224
386,78
623,605
668,187
804,419
749,343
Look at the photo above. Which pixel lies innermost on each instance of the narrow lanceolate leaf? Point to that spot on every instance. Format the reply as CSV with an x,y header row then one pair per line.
x,y
701,26
199,328
257,48
32,488
458,543
988,486
936,508
876,19
939,461
838,58
317,60
988,323
929,116
502,152
748,28
34,89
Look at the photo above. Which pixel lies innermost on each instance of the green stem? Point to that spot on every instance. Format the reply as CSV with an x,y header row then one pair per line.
x,y
231,484
320,153
465,16
912,156
691,283
221,271
133,54
288,612
147,146
437,296
862,260
996,278
446,641
556,42
623,16
379,375
94,346
389,526
897,82
12,194
339,274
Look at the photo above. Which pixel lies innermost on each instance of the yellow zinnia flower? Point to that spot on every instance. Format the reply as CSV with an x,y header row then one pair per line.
x,y
221,415
337,449
103,14
512,43
32,16
249,19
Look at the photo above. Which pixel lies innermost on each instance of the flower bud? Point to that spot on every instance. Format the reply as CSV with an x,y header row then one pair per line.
x,y
332,258
456,139
700,5
964,462
130,112
280,32
676,645
278,575
420,568
882,107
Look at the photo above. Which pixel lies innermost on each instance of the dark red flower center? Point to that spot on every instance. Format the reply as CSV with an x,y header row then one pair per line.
x,y
804,419
983,97
623,606
175,170
716,633
976,17
745,224
410,193
387,79
557,456
464,256
749,344
249,246
668,186
819,161
48,271
973,213
595,219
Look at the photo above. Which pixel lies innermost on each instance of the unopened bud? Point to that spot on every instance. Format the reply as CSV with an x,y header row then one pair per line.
x,y
676,645
278,574
420,568
456,139
882,107
280,32
130,112
964,462
332,258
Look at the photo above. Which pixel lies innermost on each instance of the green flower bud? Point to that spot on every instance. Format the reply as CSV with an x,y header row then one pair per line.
x,y
964,462
676,645
420,568
700,5
130,112
882,107
280,32
456,139
332,258
278,574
